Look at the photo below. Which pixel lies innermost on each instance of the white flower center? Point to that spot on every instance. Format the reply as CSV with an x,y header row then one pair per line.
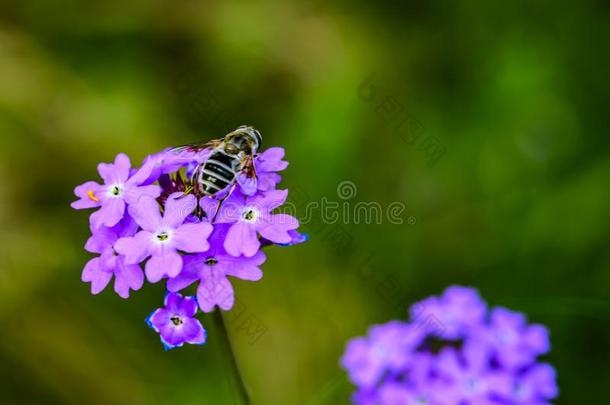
x,y
115,190
163,236
250,214
176,320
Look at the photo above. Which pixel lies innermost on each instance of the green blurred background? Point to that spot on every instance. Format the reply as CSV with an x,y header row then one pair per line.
x,y
488,120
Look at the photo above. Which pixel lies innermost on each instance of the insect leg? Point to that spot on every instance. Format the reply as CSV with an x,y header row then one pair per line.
x,y
191,185
221,200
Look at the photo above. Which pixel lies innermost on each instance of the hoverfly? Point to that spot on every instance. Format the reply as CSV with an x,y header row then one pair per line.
x,y
230,162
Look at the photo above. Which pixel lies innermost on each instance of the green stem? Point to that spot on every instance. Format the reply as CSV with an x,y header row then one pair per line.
x,y
229,353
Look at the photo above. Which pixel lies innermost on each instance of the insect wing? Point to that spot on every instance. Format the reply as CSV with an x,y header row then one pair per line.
x,y
195,148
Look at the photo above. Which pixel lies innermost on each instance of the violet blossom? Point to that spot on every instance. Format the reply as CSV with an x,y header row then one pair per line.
x,y
252,216
176,322
150,216
211,270
119,189
267,165
453,351
162,237
99,270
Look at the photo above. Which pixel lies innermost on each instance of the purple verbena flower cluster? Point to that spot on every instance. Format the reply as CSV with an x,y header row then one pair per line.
x,y
146,216
454,351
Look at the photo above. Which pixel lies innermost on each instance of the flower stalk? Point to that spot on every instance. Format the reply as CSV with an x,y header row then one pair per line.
x,y
229,354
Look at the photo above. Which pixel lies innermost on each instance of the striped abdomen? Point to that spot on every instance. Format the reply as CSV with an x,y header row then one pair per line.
x,y
216,174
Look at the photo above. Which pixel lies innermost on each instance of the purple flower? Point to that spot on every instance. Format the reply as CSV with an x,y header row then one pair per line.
x,y
118,189
453,314
452,352
176,322
211,270
98,271
396,393
267,164
296,238
150,215
250,217
535,386
514,342
366,397
387,348
162,237
470,377
393,390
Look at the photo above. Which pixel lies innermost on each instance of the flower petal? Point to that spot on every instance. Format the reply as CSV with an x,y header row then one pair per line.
x,y
189,274
241,239
275,234
247,183
88,193
117,172
199,336
100,241
146,213
132,194
159,266
244,268
111,213
268,201
192,238
173,301
214,290
158,319
191,330
126,277
96,275
271,160
107,173
267,181
230,211
283,221
188,307
143,173
122,167
135,248
537,338
177,208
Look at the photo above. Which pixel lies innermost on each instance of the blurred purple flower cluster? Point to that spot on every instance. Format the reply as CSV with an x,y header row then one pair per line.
x,y
143,217
454,351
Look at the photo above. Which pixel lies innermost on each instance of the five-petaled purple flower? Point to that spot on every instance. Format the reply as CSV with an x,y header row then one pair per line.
x,y
176,322
267,165
120,188
162,237
99,270
150,214
250,217
452,352
211,270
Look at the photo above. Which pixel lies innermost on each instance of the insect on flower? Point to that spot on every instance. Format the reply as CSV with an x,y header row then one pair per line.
x,y
179,230
231,162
